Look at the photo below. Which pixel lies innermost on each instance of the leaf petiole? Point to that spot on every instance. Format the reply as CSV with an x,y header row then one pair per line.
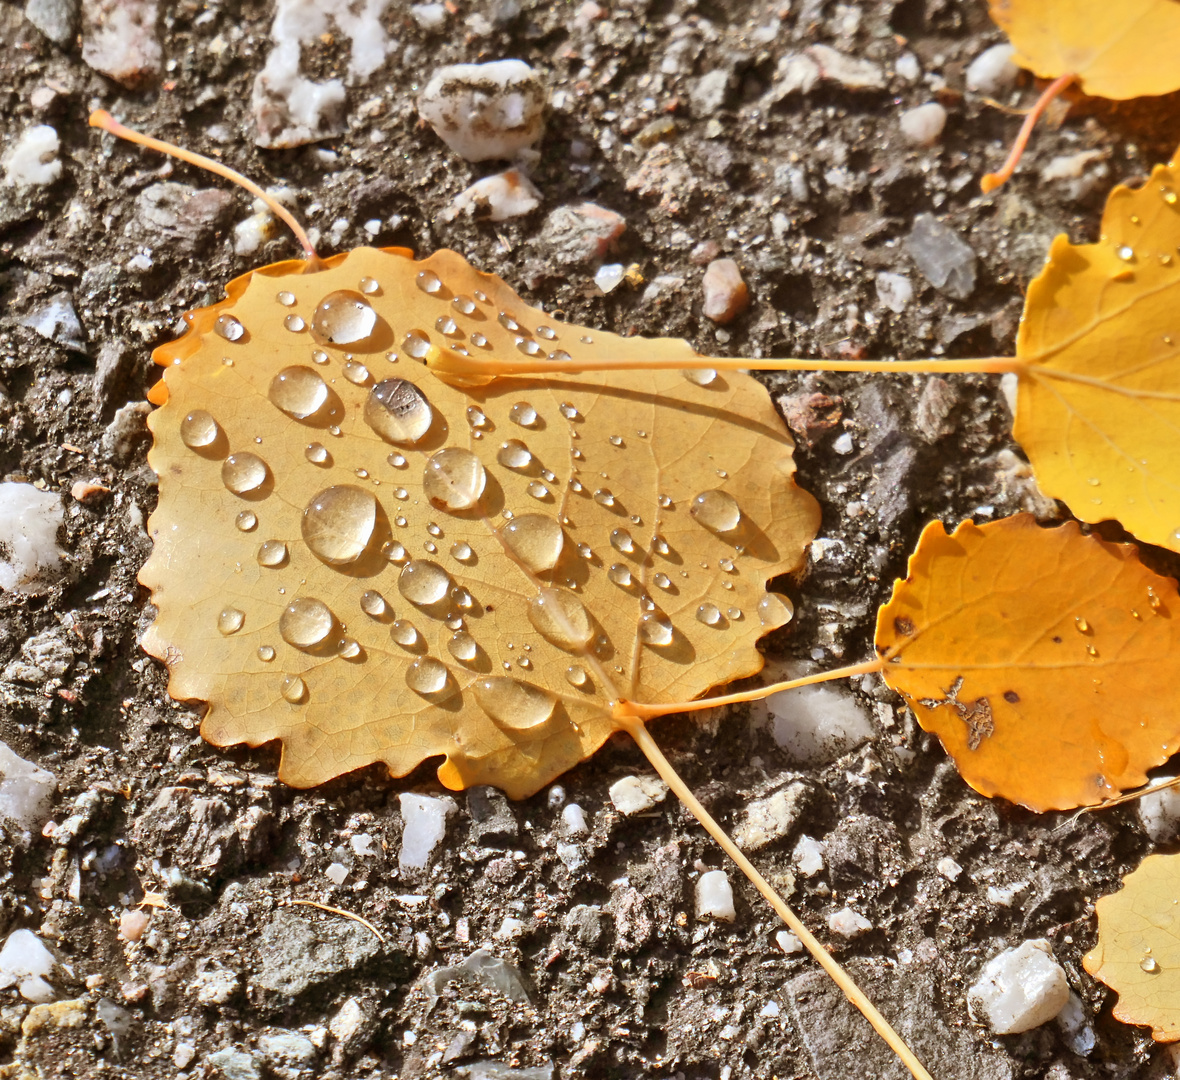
x,y
993,180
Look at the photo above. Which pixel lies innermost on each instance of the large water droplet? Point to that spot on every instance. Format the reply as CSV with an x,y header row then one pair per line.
x,y
338,523
717,510
536,540
272,553
523,413
229,328
198,430
306,622
298,391
454,478
317,454
576,675
463,304
243,473
655,629
620,540
423,582
427,676
461,645
293,689
514,455
709,614
343,317
404,632
373,604
514,704
247,521
429,282
775,610
416,344
561,619
230,620
620,575
700,376
398,412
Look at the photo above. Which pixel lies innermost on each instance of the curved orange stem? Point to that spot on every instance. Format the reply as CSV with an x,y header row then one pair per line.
x,y
993,180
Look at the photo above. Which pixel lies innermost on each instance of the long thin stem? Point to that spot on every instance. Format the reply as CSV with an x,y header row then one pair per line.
x,y
993,180
635,727
100,118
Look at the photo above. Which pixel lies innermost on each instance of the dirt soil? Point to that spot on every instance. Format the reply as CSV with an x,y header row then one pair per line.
x,y
812,193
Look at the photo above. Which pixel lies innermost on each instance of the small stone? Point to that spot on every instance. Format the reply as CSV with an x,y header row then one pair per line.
x,y
847,70
26,792
32,160
788,942
796,73
215,986
816,724
704,253
287,1052
125,431
363,844
184,1053
119,40
811,415
808,856
353,1026
26,963
336,873
843,444
1019,989
487,971
923,125
715,896
948,868
185,217
1003,895
573,819
1069,166
132,923
88,492
708,92
510,928
848,923
992,71
1075,1026
485,111
500,197
425,820
943,257
42,1019
57,321
773,817
609,277
634,794
726,295
56,19
580,232
492,818
894,291
1159,812
236,1064
429,16
908,67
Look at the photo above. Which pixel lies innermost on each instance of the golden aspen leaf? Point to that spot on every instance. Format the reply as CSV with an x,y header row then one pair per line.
x,y
1039,657
1098,405
1138,950
1117,50
370,564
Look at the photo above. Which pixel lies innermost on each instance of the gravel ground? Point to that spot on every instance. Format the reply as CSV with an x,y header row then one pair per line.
x,y
688,119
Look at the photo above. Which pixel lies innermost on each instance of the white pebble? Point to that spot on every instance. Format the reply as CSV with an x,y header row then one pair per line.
x,y
336,873
634,794
948,868
500,197
788,942
849,71
362,844
509,929
33,160
992,70
251,234
816,724
425,825
842,444
715,896
1159,813
848,923
1005,895
1019,989
29,520
894,291
1075,1026
808,856
923,125
26,792
485,111
24,963
907,67
573,817
609,277
429,16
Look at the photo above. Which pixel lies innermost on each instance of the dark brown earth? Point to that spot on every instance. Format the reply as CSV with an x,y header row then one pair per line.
x,y
612,946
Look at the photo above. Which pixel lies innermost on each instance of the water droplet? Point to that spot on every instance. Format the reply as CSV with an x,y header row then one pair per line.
x,y
338,523
243,473
585,551
726,565
433,529
463,304
586,339
528,346
1150,965
604,497
423,582
272,553
560,356
619,574
513,454
369,286
317,454
298,391
665,502
569,411
547,332
523,413
287,299
514,704
403,632
198,430
373,603
295,324
476,417
1169,196
247,520
1153,600
306,623
397,411
663,581
734,613
229,328
293,689
398,461
775,610
453,478
462,598
535,539
716,510
400,521
416,344
461,551
616,440
709,614
230,620
537,490
1082,625
576,486
266,653
319,356
427,676
561,619
655,629
429,282
461,645
700,376
479,340
1092,652
1126,253
444,324
394,551
356,373
507,321
343,318
620,540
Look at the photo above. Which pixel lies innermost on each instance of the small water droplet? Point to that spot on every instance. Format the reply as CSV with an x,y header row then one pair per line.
x,y
444,324
726,565
228,327
513,454
1092,652
575,675
429,282
287,299
535,539
398,461
416,344
317,454
343,318
348,647
547,332
427,676
431,547
561,619
356,373
1150,965
560,356
230,620
369,286
507,321
514,704
295,323
537,490
569,411
396,410
433,529
734,613
576,486
619,574
400,521
298,391
586,339
1126,253
620,540
266,653
775,609
716,510
293,689
462,598
1153,599
476,417
319,356
655,629
585,551
338,523
247,520
198,430
394,551
243,473
663,581
403,632
462,646
709,614
373,603
272,553
700,376
423,582
1082,625
461,551
453,478
604,497
528,346
463,304
616,440
306,623
478,340
523,413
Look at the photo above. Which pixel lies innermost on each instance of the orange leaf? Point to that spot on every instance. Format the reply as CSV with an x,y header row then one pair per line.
x,y
1038,657
1138,950
1117,50
1098,410
371,564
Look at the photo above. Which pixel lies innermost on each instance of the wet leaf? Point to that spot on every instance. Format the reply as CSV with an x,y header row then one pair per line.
x,y
1138,950
369,564
1117,50
1041,658
1098,409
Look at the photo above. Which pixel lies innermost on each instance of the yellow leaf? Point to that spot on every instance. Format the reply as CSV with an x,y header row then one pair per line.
x,y
1038,657
1138,950
490,567
1098,408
